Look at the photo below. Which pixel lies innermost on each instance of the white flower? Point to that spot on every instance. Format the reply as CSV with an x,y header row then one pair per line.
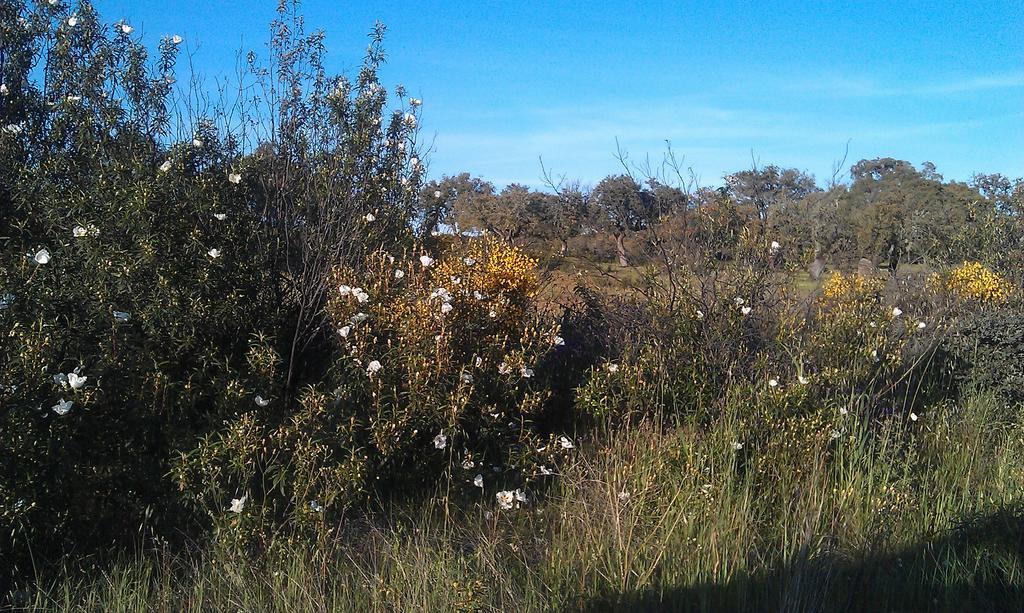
x,y
504,369
437,193
613,368
700,314
565,443
344,330
410,120
559,341
479,361
235,178
261,401
773,382
3,89
736,445
373,368
526,372
126,29
61,379
440,441
921,325
623,496
738,300
426,260
446,308
344,290
62,407
41,257
544,470
213,253
197,143
479,481
478,294
80,231
896,312
505,499
122,316
775,246
370,218
76,381
360,294
315,506
467,464
803,380
165,166
414,161
176,39
358,318
237,504
220,216
442,293
73,21
914,417
843,410
72,98
399,273
835,434
746,310
467,378
415,102
13,129
520,496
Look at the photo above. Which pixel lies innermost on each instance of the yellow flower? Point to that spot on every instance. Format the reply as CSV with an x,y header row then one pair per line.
x,y
973,281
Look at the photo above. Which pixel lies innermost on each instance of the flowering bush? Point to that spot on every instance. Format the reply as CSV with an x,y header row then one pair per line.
x,y
154,287
127,284
433,381
974,282
852,326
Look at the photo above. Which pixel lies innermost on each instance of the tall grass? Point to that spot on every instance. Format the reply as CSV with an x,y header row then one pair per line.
x,y
893,515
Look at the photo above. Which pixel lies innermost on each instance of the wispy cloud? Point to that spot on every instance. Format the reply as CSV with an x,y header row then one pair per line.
x,y
865,87
580,140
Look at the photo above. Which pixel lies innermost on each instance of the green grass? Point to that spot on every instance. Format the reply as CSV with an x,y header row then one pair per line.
x,y
903,515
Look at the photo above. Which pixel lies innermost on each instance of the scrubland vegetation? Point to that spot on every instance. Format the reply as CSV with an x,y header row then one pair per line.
x,y
253,359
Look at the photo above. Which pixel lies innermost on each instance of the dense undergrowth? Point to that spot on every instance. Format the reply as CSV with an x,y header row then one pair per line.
x,y
915,515
240,371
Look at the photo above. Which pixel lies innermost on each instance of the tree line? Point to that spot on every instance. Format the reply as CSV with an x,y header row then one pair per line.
x,y
888,211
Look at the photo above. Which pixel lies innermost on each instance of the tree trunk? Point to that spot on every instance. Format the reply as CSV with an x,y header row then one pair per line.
x,y
620,247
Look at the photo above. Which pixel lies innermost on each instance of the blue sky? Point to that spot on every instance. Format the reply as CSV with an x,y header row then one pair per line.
x,y
506,83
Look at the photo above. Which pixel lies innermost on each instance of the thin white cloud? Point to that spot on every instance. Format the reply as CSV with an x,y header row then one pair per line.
x,y
863,87
578,140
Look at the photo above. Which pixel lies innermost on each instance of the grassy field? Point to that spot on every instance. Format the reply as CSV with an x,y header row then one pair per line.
x,y
915,515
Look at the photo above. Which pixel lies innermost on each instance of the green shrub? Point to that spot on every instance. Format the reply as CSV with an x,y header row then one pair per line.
x,y
433,381
152,288
985,347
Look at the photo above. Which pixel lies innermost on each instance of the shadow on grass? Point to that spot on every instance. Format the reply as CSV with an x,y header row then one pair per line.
x,y
977,567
